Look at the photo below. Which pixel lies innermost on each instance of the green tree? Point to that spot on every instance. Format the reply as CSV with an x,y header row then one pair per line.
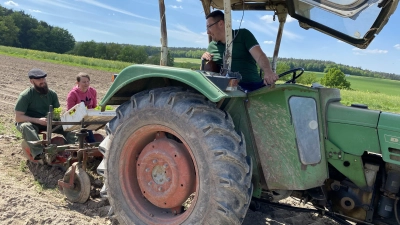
x,y
335,78
8,31
307,78
282,67
140,55
155,59
40,36
60,40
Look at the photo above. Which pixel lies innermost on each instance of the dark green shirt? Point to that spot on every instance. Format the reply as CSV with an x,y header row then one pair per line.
x,y
242,61
34,104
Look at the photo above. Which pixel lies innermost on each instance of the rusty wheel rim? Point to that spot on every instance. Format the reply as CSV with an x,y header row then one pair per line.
x,y
158,175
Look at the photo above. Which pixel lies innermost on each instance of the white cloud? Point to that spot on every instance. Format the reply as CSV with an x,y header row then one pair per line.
x,y
238,21
269,42
11,3
271,30
96,30
179,0
397,46
60,4
182,33
176,7
270,19
358,51
339,41
104,6
35,10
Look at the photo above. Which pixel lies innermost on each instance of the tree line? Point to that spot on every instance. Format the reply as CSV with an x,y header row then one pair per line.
x,y
321,66
18,29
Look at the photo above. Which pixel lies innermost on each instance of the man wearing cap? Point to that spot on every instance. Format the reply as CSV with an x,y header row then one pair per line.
x,y
32,108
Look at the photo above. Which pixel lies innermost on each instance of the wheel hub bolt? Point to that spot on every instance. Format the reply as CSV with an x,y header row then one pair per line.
x,y
155,161
147,169
149,183
165,166
160,188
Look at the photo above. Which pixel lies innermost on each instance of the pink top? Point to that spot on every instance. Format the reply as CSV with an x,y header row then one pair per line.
x,y
76,96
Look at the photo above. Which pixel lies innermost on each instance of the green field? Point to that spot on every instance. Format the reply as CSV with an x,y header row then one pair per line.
x,y
372,85
71,60
187,60
378,94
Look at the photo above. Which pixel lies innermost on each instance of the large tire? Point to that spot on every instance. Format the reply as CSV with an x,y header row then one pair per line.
x,y
202,135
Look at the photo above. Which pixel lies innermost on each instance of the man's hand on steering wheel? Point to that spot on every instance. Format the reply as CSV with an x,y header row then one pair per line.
x,y
207,56
270,77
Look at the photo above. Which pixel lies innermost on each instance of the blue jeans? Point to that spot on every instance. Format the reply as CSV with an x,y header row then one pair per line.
x,y
251,86
90,137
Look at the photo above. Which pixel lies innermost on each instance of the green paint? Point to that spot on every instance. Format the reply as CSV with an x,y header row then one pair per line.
x,y
352,129
275,139
136,78
389,136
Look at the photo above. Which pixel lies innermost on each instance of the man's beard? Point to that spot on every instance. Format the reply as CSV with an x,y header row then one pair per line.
x,y
42,90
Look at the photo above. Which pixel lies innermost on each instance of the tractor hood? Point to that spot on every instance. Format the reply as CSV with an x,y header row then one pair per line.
x,y
355,22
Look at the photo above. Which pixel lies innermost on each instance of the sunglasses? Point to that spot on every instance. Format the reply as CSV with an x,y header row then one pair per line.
x,y
208,27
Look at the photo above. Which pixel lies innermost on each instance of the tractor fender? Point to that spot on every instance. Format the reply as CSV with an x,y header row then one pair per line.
x,y
136,78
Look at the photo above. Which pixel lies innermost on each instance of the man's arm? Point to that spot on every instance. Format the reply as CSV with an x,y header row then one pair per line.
x,y
269,76
21,117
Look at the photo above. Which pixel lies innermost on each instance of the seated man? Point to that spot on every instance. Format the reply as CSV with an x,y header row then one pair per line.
x,y
246,53
32,108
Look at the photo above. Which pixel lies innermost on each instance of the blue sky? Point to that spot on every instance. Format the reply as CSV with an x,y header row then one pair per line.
x,y
137,22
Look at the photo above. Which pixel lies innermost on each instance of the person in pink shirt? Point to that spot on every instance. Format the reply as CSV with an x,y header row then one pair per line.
x,y
82,92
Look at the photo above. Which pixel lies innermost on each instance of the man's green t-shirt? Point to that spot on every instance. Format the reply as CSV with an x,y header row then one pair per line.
x,y
34,104
242,61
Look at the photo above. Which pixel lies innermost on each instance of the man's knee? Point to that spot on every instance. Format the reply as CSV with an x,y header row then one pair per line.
x,y
25,126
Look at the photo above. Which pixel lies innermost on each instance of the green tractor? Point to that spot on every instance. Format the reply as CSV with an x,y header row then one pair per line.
x,y
189,147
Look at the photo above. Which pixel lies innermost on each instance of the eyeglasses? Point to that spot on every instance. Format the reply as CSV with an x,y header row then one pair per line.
x,y
208,27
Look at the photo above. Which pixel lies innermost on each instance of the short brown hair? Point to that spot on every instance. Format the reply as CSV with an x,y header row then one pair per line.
x,y
82,74
217,15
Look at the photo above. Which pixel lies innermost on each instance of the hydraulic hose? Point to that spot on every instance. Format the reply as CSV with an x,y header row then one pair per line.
x,y
395,210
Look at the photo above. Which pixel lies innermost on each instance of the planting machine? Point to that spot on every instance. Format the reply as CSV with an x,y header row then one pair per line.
x,y
73,157
190,147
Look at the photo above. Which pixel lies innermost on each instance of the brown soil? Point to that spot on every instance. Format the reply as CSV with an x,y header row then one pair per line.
x,y
29,193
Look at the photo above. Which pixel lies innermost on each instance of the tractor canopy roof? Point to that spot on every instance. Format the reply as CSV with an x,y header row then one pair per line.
x,y
353,21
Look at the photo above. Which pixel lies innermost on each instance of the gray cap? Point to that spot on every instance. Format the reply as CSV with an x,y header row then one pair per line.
x,y
36,74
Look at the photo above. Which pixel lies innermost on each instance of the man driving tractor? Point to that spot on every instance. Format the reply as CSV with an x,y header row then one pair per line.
x,y
247,53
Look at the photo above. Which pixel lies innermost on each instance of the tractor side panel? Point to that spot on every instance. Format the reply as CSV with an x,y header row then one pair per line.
x,y
352,129
287,129
389,136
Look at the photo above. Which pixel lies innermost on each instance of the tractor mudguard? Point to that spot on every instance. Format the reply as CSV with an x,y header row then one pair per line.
x,y
136,78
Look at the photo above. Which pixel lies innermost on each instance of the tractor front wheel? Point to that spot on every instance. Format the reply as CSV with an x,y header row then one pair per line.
x,y
172,157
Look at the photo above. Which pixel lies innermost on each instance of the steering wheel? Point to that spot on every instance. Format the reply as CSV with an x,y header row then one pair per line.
x,y
295,74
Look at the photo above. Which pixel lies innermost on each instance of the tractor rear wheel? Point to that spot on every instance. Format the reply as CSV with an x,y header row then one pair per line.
x,y
172,157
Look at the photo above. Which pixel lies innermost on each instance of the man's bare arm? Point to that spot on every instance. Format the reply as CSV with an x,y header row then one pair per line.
x,y
21,117
269,76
